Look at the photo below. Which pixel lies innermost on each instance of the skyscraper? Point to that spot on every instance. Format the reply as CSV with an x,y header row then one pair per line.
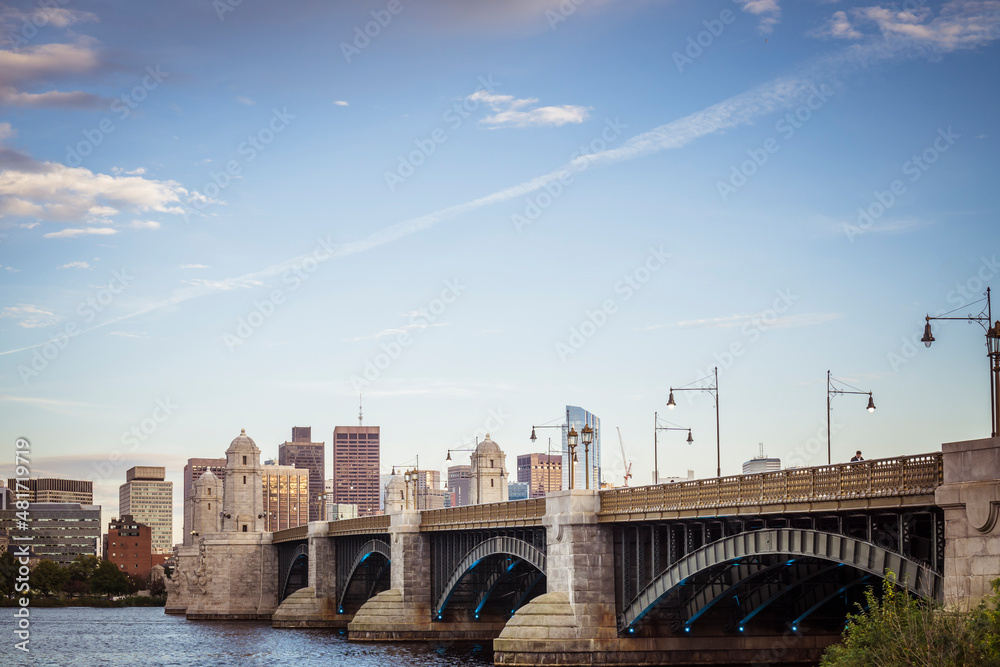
x,y
356,467
577,418
301,452
53,490
149,500
286,496
459,479
542,473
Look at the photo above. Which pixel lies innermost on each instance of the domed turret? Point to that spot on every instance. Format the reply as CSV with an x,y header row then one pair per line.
x,y
243,492
395,494
489,473
206,505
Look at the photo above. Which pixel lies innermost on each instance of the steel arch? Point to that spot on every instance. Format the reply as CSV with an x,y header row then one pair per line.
x,y
367,549
918,579
300,552
508,546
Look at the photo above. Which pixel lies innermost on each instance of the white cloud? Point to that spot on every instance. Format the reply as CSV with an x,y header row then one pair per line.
x,y
11,269
74,232
75,265
145,224
960,24
195,266
29,225
30,316
769,12
509,113
341,103
242,99
34,65
129,334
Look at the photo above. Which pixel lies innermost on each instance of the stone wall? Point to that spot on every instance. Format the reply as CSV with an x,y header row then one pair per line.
x,y
233,577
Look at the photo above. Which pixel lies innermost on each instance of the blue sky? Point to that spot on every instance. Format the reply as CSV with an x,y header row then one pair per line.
x,y
218,216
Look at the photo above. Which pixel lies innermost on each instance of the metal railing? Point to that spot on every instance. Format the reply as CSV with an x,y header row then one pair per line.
x,y
363,525
903,476
493,515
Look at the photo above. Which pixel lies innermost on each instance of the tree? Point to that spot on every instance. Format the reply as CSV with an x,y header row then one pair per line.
x,y
48,577
898,630
109,580
8,573
80,572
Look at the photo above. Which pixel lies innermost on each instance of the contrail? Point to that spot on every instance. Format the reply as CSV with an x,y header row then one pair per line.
x,y
780,93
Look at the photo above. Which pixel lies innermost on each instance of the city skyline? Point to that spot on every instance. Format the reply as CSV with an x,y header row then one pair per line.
x,y
247,218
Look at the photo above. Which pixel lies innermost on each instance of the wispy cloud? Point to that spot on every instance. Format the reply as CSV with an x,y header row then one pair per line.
x,y
145,224
511,112
245,100
960,24
769,12
30,316
195,266
72,232
37,64
733,321
75,265
399,330
342,103
129,334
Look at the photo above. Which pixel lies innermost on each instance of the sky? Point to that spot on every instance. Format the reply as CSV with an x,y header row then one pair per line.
x,y
225,215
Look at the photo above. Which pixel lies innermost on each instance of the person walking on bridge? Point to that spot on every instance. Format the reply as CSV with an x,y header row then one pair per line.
x,y
857,457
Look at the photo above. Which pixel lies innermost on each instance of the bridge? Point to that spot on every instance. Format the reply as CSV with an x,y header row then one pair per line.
x,y
745,569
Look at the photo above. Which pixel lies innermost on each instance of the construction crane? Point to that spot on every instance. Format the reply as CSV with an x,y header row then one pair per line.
x,y
625,461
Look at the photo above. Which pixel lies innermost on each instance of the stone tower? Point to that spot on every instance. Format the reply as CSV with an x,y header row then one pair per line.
x,y
489,474
206,503
395,494
243,493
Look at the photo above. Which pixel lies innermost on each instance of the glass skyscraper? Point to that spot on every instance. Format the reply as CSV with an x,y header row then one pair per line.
x,y
577,418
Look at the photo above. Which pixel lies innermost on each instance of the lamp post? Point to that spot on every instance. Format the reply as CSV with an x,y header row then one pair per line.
x,y
714,390
470,448
588,439
571,439
549,463
985,320
656,431
831,391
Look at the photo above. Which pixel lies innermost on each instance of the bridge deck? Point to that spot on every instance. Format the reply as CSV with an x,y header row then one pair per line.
x,y
511,514
907,481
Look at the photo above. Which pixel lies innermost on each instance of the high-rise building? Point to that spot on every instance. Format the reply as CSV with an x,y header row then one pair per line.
x,y
129,545
427,493
149,499
356,467
286,496
193,470
302,453
517,490
590,457
59,531
761,464
542,472
53,490
459,479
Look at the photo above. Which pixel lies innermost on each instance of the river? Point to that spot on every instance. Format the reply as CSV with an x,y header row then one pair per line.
x,y
147,636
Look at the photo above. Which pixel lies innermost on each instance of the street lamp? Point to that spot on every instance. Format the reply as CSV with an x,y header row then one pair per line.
x,y
470,448
983,319
831,391
588,439
656,431
571,439
714,390
549,452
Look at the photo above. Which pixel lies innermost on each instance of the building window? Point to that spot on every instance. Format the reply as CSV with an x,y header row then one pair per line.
x,y
244,528
244,479
210,506
244,460
491,483
210,492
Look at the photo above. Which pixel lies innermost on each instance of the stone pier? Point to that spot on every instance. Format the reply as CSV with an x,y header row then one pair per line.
x,y
970,498
316,605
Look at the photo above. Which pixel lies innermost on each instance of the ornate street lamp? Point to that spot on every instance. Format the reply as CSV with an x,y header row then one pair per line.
x,y
588,439
571,440
656,431
983,319
714,390
833,390
549,451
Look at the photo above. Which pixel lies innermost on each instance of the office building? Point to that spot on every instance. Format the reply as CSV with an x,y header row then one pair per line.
x,y
426,490
129,545
356,467
517,490
676,478
54,490
59,531
542,473
340,511
193,470
149,499
590,457
286,496
459,479
302,453
761,464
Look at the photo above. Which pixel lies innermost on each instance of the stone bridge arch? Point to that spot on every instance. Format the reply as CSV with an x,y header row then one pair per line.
x,y
293,567
520,551
750,556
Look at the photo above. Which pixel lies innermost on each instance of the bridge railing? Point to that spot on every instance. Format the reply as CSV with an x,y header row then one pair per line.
x,y
363,525
512,513
903,476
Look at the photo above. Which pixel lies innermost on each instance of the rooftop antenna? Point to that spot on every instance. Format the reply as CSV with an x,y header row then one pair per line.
x,y
360,413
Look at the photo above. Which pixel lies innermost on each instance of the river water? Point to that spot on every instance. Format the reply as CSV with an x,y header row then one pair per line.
x,y
147,636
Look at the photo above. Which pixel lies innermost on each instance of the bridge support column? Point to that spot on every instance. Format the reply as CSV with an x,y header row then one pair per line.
x,y
970,498
574,622
314,606
402,613
233,577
